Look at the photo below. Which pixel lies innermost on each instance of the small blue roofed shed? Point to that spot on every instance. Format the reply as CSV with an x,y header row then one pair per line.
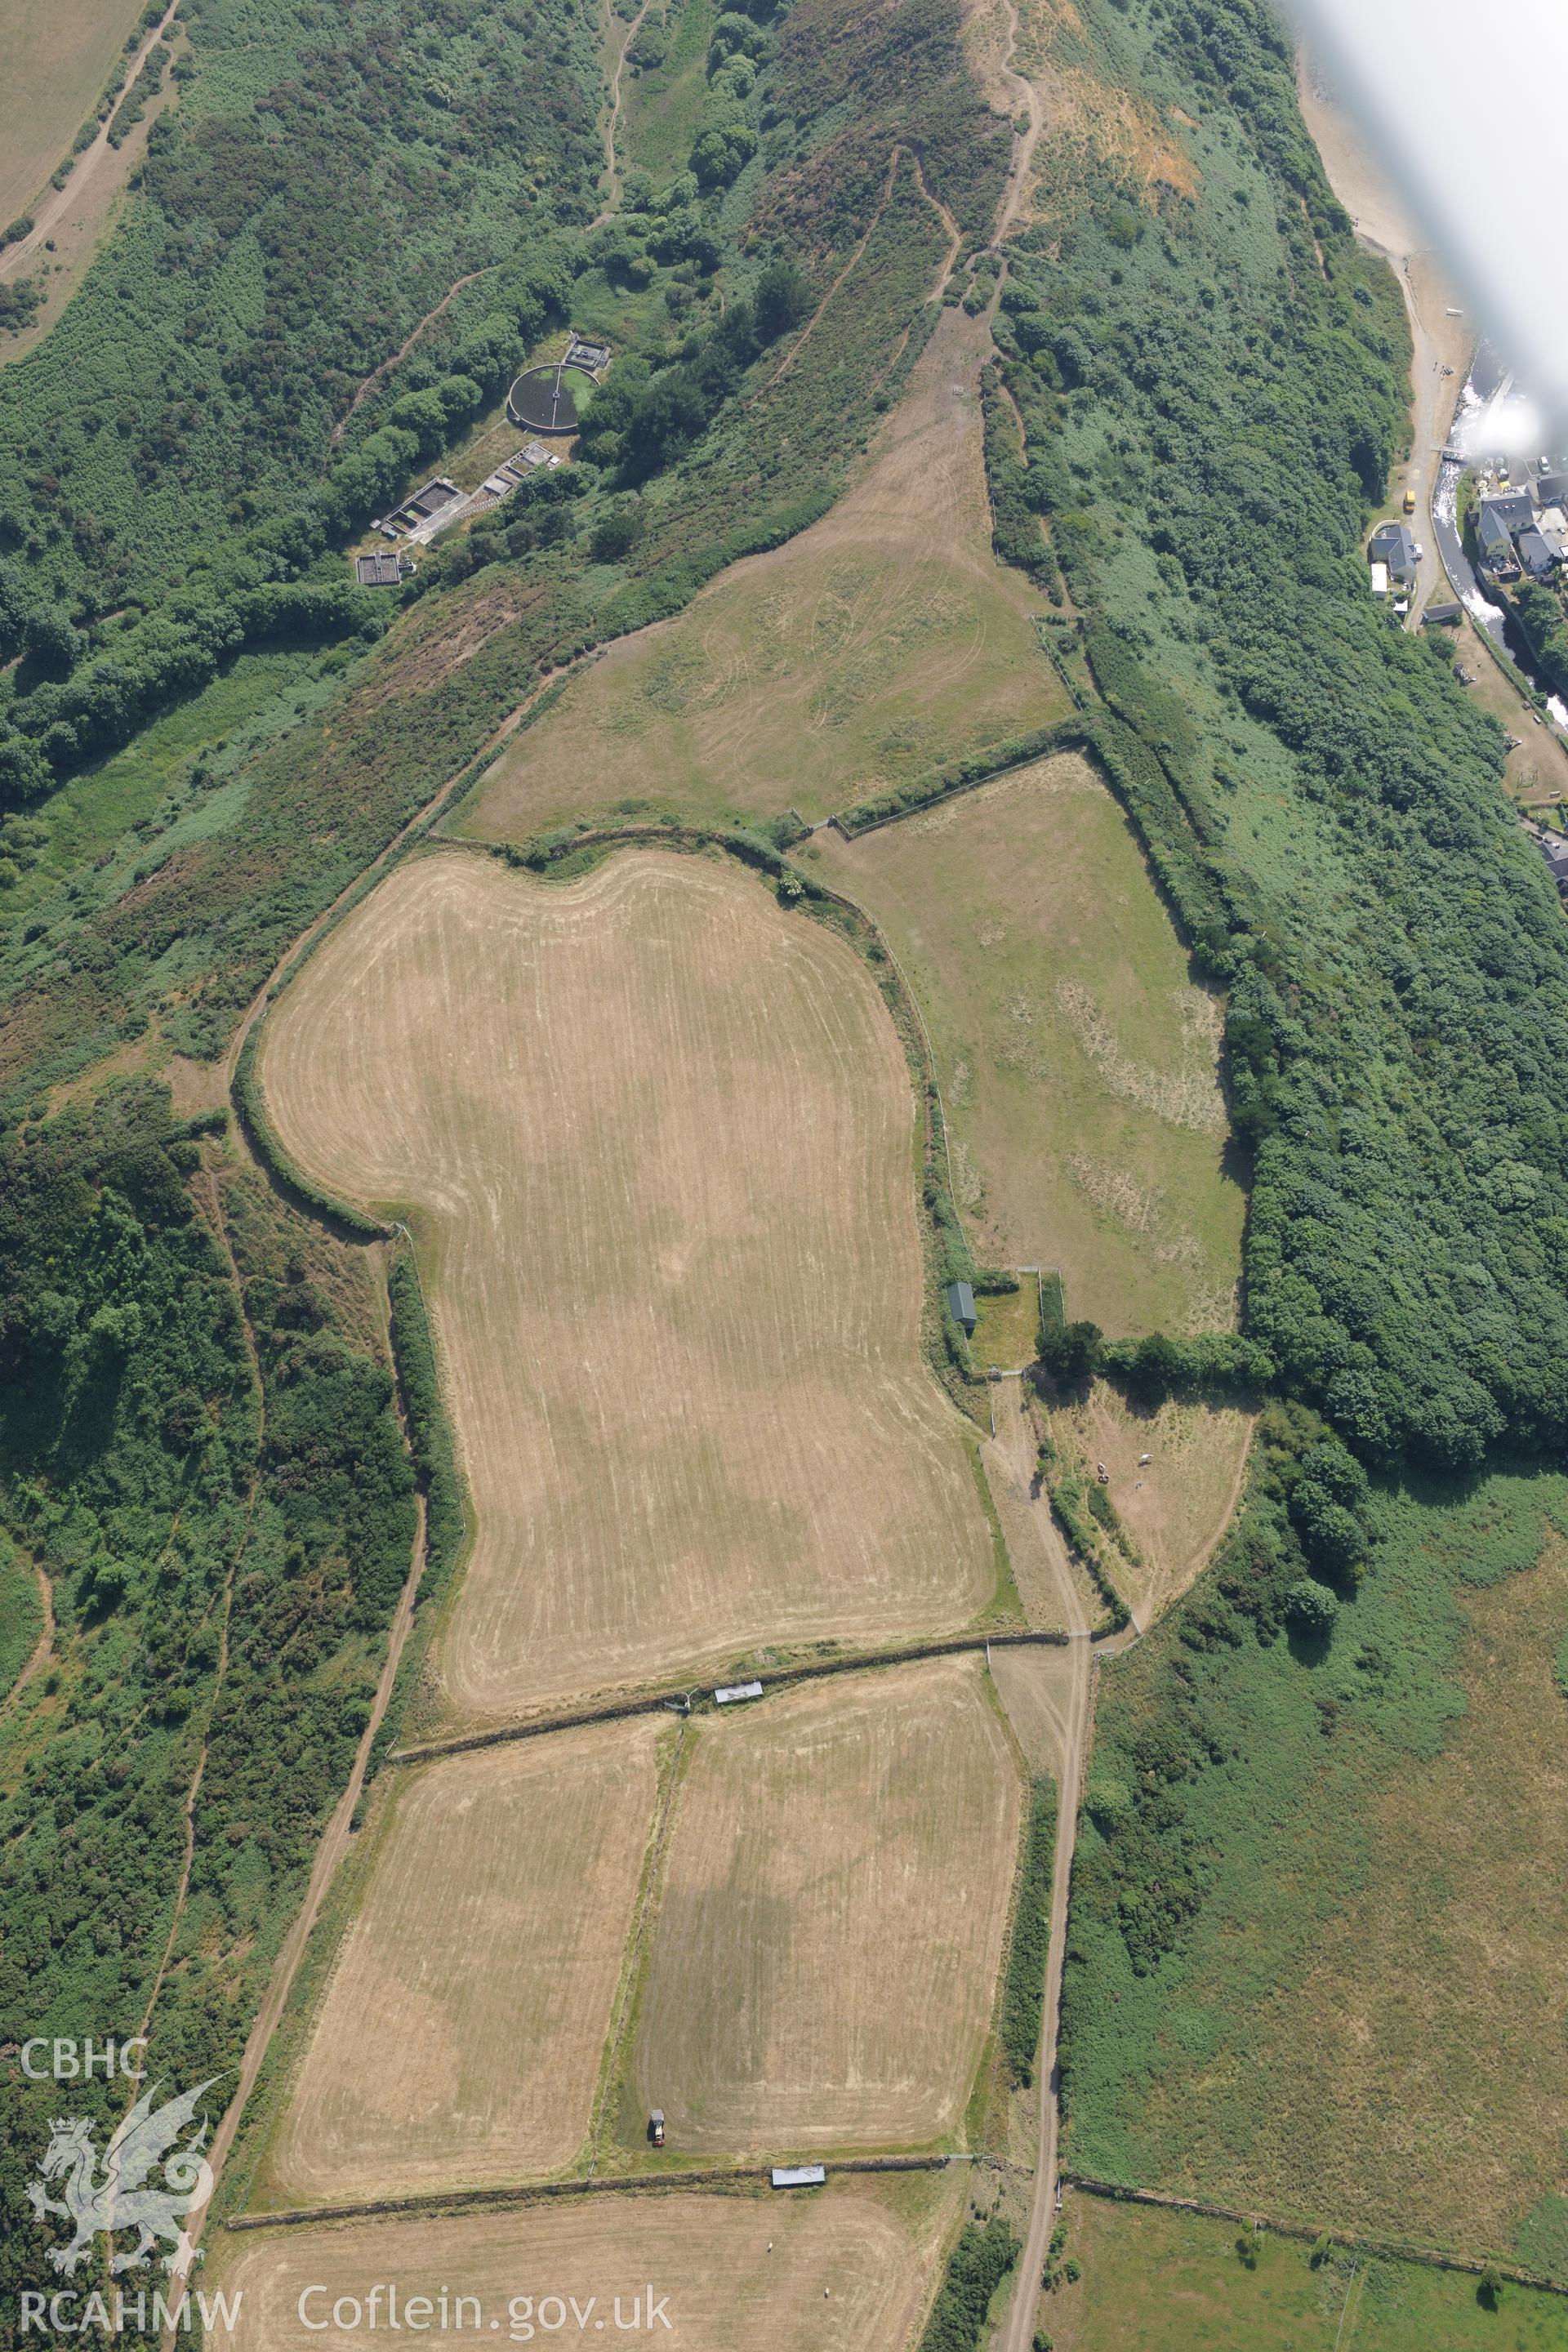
x,y
961,1307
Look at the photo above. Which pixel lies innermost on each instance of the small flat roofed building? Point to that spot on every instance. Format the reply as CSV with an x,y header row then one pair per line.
x,y
961,1307
1442,616
798,2175
377,571
1380,579
732,1692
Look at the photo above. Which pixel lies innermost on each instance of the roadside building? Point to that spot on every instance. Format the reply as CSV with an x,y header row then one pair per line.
x,y
1555,849
1442,616
1515,509
1393,544
1496,543
1535,555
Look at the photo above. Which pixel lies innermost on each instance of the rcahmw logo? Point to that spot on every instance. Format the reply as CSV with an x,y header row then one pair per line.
x,y
116,2314
121,2194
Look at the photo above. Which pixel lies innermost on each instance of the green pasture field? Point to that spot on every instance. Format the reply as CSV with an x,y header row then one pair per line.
x,y
1352,2013
1007,1326
1155,2281
1076,1061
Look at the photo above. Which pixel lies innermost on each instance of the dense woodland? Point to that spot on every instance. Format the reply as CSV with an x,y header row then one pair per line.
x,y
1212,393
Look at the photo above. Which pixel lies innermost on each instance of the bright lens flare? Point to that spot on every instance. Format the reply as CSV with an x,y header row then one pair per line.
x,y
1462,113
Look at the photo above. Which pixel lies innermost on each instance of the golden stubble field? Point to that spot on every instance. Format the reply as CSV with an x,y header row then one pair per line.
x,y
850,2269
56,61
1079,1064
831,1918
883,641
462,2032
659,1138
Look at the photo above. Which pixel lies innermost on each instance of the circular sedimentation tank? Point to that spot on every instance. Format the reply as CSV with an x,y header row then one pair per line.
x,y
542,398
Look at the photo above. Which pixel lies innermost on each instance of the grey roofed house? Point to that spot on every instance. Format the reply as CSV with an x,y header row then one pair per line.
x,y
1551,490
1515,509
377,571
1535,555
1394,543
1556,852
961,1307
1496,542
1442,616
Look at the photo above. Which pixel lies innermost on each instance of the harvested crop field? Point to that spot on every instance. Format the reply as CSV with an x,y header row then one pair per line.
x,y
1078,1064
57,60
848,2270
832,1915
461,2036
659,1138
880,643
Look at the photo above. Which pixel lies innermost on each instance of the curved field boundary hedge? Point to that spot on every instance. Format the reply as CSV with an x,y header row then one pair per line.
x,y
1075,734
285,1170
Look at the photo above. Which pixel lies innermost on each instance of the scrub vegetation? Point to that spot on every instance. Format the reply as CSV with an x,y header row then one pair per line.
x,y
1212,392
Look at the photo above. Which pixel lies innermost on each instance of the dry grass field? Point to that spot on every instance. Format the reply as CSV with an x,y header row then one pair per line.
x,y
831,1919
56,61
461,2036
1078,1063
1410,2071
878,644
659,1137
1176,1506
850,2269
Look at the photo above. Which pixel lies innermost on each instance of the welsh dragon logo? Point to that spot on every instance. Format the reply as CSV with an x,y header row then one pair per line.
x,y
116,2198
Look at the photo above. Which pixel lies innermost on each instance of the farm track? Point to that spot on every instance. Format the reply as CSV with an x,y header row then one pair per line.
x,y
94,163
681,1698
44,1648
328,1854
220,1227
468,2200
